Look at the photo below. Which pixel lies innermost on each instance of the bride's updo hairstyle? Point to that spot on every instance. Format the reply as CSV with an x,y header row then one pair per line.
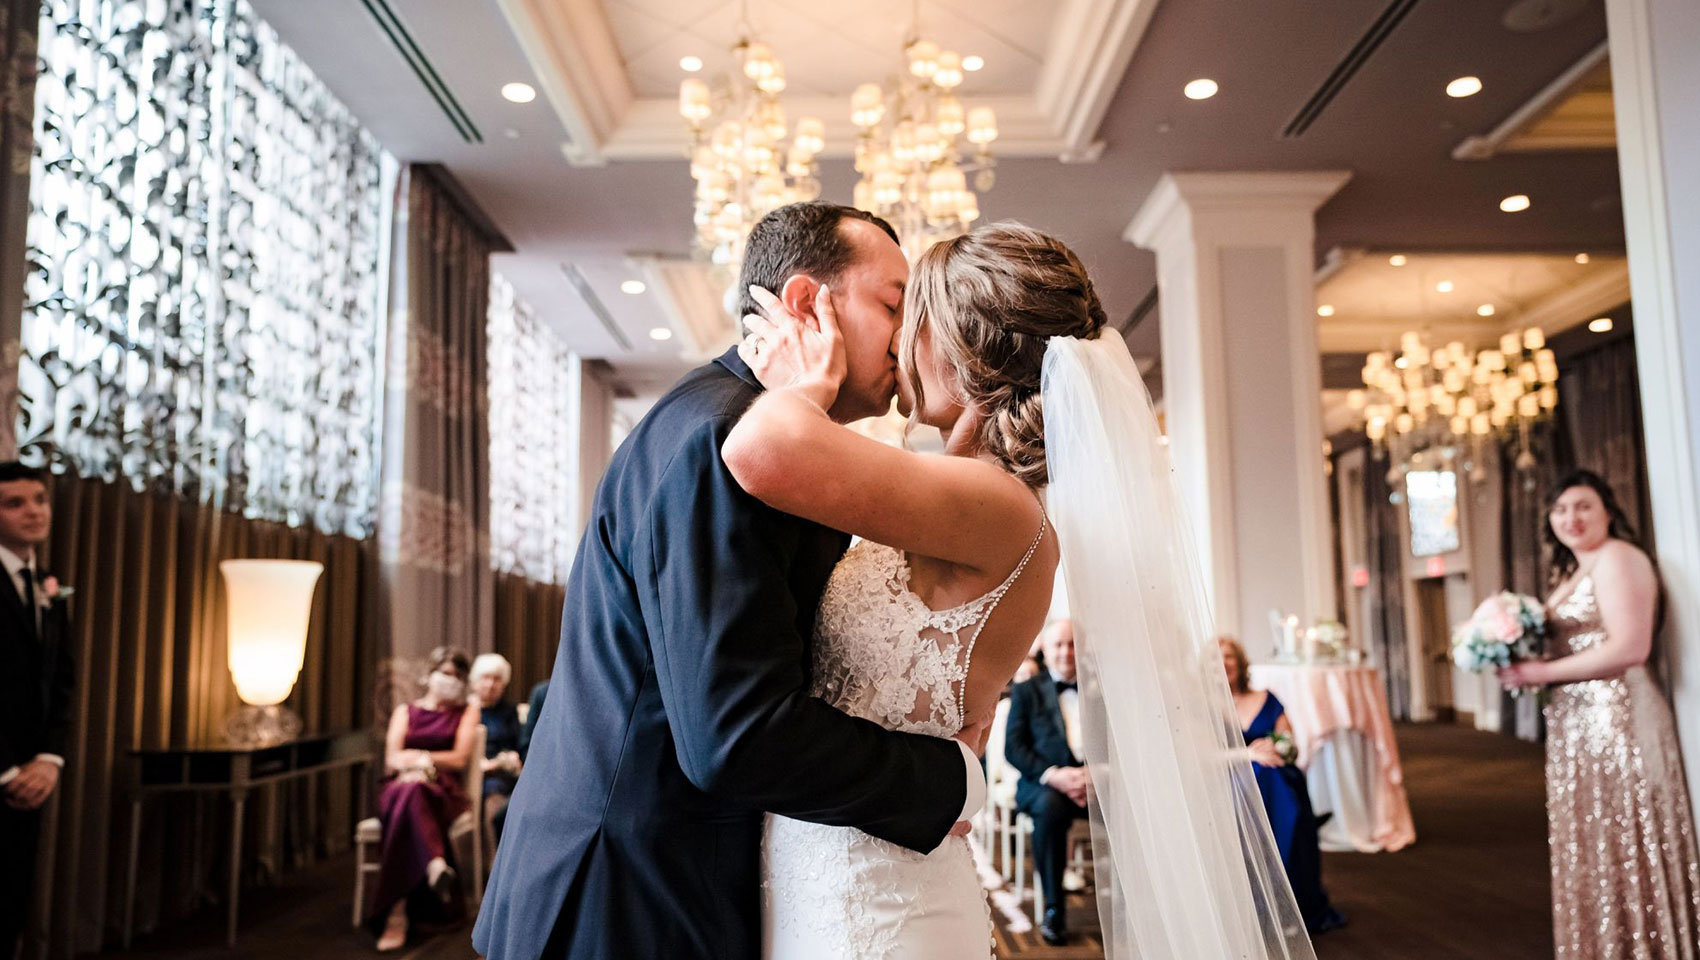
x,y
991,300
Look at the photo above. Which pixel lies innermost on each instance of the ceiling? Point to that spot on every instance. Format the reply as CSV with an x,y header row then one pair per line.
x,y
1390,123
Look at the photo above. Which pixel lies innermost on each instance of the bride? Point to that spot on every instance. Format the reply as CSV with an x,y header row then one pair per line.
x,y
924,621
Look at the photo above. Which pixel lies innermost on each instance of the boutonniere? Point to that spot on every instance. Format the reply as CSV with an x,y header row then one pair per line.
x,y
53,591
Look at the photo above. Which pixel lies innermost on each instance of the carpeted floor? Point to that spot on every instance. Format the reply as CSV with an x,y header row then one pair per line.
x,y
1473,887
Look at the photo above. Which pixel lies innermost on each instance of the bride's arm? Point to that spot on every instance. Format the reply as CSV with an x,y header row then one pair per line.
x,y
789,454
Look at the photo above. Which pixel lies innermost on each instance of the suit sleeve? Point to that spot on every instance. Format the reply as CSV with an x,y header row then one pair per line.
x,y
1018,746
62,687
730,664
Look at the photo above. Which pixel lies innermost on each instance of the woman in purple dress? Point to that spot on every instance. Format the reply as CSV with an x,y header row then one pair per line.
x,y
426,750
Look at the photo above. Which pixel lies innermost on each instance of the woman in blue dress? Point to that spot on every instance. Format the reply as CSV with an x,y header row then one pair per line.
x,y
1286,797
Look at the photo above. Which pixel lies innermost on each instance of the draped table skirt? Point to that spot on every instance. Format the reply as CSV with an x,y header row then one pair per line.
x,y
1344,732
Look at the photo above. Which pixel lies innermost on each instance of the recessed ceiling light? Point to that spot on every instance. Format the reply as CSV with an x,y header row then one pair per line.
x,y
1326,310
1464,87
519,92
1200,89
1485,310
1444,286
633,287
973,62
1397,260
661,333
1516,203
1581,258
690,64
1600,325
511,133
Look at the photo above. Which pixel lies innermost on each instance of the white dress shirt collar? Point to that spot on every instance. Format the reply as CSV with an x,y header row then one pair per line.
x,y
15,563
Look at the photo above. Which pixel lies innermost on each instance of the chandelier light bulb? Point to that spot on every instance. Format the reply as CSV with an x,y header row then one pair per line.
x,y
690,64
982,125
1581,258
1444,286
948,74
1485,310
923,59
1516,203
1397,260
1325,310
1600,325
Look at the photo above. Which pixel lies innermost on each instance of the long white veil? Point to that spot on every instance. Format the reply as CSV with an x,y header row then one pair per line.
x,y
1186,864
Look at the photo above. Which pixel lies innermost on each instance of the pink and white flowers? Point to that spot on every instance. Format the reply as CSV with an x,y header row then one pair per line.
x,y
1506,628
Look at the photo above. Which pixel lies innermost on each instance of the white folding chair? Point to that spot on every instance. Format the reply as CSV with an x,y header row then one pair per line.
x,y
369,833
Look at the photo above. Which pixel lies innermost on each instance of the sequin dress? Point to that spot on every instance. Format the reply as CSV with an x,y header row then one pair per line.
x,y
1625,881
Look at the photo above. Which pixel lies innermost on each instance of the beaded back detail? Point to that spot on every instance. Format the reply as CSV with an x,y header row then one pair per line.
x,y
882,654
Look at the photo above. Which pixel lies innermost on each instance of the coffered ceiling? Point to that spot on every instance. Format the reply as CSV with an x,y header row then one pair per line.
x,y
590,180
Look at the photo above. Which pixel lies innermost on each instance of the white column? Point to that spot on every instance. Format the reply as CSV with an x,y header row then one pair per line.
x,y
1655,69
1242,384
592,397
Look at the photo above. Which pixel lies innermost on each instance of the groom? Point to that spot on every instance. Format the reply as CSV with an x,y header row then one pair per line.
x,y
679,708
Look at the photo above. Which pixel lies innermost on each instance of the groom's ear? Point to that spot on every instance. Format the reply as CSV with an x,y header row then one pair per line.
x,y
798,295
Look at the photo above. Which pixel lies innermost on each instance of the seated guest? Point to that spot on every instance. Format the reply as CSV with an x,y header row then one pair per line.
x,y
1286,796
1042,742
538,693
490,675
426,750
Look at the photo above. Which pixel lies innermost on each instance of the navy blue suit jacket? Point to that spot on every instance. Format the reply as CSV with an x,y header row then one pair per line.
x,y
1034,738
678,712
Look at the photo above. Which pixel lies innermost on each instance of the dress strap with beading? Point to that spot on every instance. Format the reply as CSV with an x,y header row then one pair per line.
x,y
991,600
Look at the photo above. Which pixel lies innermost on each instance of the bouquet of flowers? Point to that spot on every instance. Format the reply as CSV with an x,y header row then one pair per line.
x,y
1506,628
1285,748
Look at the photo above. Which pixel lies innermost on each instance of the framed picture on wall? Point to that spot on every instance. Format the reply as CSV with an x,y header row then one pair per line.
x,y
1432,497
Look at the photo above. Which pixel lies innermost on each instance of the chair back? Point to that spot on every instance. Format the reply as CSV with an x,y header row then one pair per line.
x,y
997,767
474,773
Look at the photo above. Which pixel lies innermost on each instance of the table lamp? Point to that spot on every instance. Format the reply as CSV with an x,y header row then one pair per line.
x,y
270,602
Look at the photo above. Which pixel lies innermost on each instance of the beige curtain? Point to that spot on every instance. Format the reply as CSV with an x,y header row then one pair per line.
x,y
434,514
148,628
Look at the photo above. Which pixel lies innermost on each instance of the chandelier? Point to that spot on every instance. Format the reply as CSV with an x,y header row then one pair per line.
x,y
741,160
916,144
1423,397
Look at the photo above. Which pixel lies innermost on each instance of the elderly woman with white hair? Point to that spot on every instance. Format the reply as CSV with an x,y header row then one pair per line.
x,y
489,679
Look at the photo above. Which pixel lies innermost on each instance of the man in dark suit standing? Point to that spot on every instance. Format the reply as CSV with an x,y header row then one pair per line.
x,y
35,689
1042,742
678,707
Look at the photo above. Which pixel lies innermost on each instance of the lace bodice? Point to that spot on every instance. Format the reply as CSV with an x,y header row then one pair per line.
x,y
836,893
882,654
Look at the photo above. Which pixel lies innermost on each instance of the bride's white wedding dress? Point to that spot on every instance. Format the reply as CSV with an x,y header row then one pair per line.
x,y
836,892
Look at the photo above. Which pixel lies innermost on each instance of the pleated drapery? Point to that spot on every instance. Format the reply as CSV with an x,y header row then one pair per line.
x,y
148,635
434,508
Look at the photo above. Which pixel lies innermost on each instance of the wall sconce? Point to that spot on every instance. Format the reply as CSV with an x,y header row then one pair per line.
x,y
270,602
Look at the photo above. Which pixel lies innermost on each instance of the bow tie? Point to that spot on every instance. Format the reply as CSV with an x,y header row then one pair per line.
x,y
1067,685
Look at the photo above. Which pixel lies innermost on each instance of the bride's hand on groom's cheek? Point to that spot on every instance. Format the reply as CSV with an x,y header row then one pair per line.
x,y
785,351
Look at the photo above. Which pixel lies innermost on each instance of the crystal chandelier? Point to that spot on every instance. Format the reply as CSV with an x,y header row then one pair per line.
x,y
743,164
912,147
1425,397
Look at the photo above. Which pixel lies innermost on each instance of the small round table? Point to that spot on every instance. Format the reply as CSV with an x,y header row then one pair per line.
x,y
1344,733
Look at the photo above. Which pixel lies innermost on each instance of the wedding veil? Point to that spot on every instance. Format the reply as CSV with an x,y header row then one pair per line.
x,y
1187,868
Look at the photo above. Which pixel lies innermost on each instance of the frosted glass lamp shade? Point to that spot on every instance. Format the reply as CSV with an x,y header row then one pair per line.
x,y
270,602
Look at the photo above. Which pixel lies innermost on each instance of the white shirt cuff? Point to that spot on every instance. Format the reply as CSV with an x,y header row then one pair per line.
x,y
8,775
1045,778
976,798
52,758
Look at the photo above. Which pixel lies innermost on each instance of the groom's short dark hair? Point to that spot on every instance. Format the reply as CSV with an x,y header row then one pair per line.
x,y
799,238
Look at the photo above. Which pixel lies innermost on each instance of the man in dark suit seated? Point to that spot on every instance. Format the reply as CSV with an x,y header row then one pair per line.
x,y
35,688
1042,742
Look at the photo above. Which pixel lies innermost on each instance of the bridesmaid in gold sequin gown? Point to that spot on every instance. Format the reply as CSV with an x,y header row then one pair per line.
x,y
1625,879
